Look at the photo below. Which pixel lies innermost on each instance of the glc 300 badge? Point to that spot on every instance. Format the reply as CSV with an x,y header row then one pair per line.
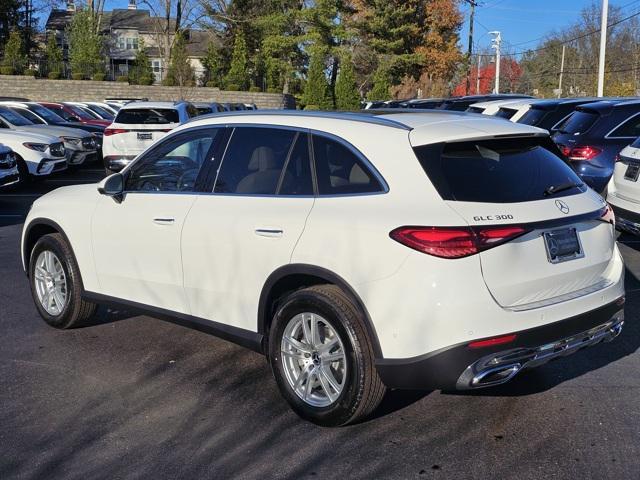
x,y
563,207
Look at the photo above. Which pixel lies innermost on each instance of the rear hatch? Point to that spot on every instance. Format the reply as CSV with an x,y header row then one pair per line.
x,y
552,241
135,129
627,172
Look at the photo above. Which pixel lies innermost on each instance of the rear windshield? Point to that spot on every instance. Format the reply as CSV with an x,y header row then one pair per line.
x,y
533,117
498,170
506,113
578,122
149,116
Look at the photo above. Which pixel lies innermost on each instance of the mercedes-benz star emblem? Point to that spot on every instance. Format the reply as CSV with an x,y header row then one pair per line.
x,y
563,207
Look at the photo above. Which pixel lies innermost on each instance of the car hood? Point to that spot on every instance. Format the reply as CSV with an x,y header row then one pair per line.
x,y
7,136
57,131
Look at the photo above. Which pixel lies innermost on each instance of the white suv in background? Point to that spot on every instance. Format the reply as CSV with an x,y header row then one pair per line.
x,y
137,126
9,174
358,252
37,155
623,190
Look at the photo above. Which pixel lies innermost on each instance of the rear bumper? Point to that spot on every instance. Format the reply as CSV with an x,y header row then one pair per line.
x,y
626,219
462,367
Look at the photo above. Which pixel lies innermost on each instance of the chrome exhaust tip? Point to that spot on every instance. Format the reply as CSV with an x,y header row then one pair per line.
x,y
495,376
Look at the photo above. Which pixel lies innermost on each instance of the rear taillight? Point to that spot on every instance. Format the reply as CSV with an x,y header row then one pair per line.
x,y
114,131
583,153
454,242
564,149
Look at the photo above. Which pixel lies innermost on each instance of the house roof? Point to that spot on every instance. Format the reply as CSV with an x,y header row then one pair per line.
x,y
58,20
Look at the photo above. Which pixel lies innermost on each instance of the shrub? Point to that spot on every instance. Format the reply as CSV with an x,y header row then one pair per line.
x,y
312,107
211,84
254,89
54,75
273,90
122,78
6,70
30,73
234,87
99,77
168,82
77,76
146,80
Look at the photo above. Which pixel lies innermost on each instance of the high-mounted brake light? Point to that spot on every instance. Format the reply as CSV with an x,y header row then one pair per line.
x,y
583,153
114,131
454,242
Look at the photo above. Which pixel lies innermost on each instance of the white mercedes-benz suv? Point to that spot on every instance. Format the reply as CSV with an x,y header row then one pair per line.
x,y
356,251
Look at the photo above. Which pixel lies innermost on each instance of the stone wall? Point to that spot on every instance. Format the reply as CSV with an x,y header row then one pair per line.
x,y
89,90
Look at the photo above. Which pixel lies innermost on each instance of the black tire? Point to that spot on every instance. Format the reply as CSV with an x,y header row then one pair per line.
x,y
23,170
363,390
76,310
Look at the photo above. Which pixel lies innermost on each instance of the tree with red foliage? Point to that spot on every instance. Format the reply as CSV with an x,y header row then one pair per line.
x,y
510,75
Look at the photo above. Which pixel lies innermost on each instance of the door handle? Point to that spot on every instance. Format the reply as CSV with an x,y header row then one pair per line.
x,y
164,221
269,232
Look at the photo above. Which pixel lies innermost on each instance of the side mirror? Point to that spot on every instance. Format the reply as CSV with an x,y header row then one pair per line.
x,y
112,186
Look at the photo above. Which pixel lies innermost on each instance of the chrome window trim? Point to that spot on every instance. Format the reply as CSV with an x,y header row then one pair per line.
x,y
608,135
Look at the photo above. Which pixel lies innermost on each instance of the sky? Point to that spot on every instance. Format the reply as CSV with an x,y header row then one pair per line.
x,y
523,22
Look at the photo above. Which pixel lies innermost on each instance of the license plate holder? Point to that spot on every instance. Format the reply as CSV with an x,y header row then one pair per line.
x,y
562,245
145,136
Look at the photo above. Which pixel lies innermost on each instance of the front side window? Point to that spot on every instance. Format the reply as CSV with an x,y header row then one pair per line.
x,y
13,118
254,161
32,117
174,165
630,128
340,171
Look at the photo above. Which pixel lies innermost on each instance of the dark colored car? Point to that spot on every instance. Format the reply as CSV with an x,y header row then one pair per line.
x,y
424,103
460,104
549,113
593,135
74,114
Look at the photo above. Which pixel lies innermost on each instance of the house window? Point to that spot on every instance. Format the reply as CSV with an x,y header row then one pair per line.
x,y
132,43
156,66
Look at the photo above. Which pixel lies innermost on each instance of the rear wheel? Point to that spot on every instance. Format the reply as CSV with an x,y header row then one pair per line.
x,y
23,170
322,358
56,285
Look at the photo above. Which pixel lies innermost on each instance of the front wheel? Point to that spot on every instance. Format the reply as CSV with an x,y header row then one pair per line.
x,y
322,358
56,285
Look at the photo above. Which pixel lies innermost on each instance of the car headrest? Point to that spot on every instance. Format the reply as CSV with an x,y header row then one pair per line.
x,y
262,158
358,175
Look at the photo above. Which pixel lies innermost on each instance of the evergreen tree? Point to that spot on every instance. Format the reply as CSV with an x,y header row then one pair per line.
x,y
180,72
53,56
212,63
85,45
347,96
142,73
381,84
316,88
237,77
14,57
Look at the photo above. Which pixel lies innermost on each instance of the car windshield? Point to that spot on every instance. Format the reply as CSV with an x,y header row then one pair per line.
x,y
497,171
29,115
47,114
101,111
578,122
13,118
533,117
81,112
147,116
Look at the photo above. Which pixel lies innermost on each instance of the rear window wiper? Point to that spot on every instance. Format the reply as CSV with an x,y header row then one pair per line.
x,y
553,189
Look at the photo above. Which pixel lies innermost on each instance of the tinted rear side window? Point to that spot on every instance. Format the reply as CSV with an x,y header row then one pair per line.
x,y
496,171
533,117
475,109
630,128
578,122
149,116
339,171
505,113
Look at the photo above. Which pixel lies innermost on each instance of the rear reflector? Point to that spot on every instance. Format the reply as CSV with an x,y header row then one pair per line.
x,y
583,153
114,131
454,242
490,342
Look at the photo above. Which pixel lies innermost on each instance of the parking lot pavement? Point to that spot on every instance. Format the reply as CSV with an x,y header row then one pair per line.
x,y
134,397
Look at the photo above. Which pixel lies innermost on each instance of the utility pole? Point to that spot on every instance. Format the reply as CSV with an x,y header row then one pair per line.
x,y
478,76
495,44
603,46
470,47
561,72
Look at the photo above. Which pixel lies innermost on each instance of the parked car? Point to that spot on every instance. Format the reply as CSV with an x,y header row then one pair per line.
x,y
623,191
103,105
97,111
205,108
48,117
37,154
358,252
251,106
9,174
514,111
73,113
490,107
137,126
78,144
548,114
460,104
592,136
371,105
424,103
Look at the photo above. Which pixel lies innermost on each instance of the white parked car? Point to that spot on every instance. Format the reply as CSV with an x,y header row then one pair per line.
x,y
515,111
137,126
491,107
79,144
9,174
358,252
37,155
623,190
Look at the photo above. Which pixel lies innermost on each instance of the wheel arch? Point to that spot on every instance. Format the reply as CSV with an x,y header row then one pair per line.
x,y
38,228
292,277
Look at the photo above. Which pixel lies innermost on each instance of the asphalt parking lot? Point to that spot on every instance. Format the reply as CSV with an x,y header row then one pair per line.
x,y
135,397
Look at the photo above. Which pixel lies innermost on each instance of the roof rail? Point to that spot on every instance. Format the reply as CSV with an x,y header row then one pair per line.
x,y
353,116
